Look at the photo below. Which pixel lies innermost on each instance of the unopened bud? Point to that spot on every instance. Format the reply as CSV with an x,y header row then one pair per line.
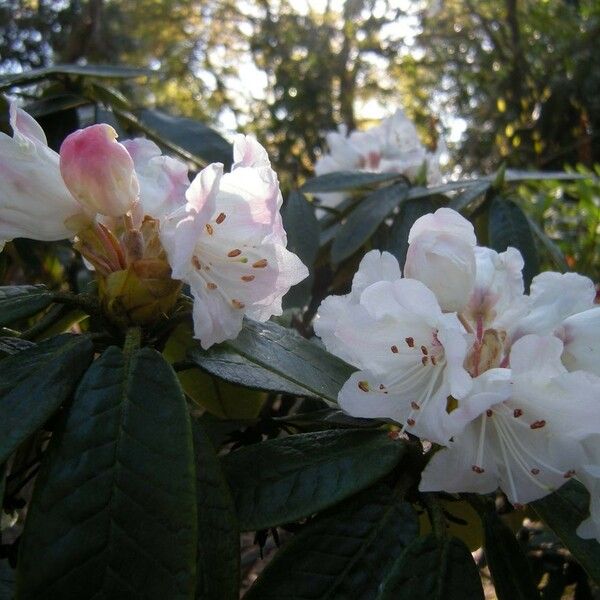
x,y
99,171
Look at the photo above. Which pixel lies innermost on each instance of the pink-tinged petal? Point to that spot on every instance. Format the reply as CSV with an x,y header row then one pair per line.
x,y
247,152
99,171
163,180
34,201
202,193
581,337
228,243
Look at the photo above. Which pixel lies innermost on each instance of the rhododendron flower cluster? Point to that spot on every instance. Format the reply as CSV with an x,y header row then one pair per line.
x,y
393,146
145,229
507,383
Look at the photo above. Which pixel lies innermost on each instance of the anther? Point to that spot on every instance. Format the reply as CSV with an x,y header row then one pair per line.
x,y
424,360
538,424
233,253
424,350
247,278
394,349
489,412
260,264
220,218
415,406
517,413
535,471
196,262
238,304
410,422
363,385
478,470
211,286
410,342
209,229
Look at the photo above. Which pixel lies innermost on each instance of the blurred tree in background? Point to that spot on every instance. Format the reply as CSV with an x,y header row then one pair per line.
x,y
519,77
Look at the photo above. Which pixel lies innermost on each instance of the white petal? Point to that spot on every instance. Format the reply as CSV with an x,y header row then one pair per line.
x,y
444,220
247,152
163,180
539,356
375,266
34,202
581,336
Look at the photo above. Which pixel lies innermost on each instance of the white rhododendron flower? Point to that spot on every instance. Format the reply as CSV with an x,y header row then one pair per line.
x,y
441,255
34,200
508,382
131,209
527,429
229,245
410,353
391,147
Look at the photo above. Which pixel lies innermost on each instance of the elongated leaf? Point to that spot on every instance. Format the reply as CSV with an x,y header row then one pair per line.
x,y
433,569
507,561
363,221
344,554
7,581
54,104
286,479
563,511
35,382
20,301
99,71
508,226
114,511
302,230
467,201
346,180
194,137
554,252
12,345
269,357
517,175
218,571
410,211
218,397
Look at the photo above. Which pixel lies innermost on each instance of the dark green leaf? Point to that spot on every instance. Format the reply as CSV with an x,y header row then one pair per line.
x,y
409,212
343,555
7,581
269,357
346,180
114,510
192,136
433,569
467,201
218,571
563,511
286,479
423,192
100,71
508,226
551,248
363,221
507,562
12,345
302,230
20,301
54,104
35,382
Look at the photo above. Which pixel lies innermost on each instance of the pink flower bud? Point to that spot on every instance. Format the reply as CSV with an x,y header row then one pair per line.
x,y
99,171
